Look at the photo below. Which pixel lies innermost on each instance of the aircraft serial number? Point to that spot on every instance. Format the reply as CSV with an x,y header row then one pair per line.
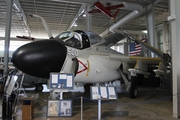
x,y
72,52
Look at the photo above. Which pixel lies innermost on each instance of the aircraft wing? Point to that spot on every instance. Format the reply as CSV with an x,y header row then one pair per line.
x,y
139,63
135,62
113,38
107,8
26,37
165,56
133,59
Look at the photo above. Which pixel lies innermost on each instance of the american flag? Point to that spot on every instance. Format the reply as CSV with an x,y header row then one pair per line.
x,y
135,48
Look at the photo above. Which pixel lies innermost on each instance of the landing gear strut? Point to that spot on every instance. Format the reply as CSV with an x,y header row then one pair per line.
x,y
133,91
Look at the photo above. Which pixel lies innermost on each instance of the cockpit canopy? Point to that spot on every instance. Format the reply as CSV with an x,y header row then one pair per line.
x,y
79,39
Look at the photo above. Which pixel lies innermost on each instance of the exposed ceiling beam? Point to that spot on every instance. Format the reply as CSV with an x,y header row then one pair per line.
x,y
24,19
112,2
81,10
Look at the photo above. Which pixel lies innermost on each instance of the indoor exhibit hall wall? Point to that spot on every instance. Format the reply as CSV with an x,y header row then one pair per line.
x,y
2,56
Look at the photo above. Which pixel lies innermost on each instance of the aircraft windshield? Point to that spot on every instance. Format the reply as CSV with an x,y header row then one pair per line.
x,y
72,39
79,39
65,35
94,38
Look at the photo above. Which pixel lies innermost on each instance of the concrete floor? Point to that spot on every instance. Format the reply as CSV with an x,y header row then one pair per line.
x,y
151,104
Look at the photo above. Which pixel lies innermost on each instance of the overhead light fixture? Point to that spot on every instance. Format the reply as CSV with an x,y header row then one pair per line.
x,y
26,31
15,8
145,31
84,15
75,24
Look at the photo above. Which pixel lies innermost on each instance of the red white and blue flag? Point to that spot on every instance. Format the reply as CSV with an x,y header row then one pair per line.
x,y
135,48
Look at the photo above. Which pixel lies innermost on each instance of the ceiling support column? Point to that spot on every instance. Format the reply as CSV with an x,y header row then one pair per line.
x,y
155,40
81,11
165,45
7,35
125,45
88,19
174,19
150,26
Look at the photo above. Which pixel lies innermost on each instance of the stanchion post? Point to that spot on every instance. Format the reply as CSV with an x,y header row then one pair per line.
x,y
99,109
81,108
9,109
4,106
61,95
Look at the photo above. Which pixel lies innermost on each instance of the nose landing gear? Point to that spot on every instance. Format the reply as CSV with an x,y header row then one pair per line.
x,y
39,87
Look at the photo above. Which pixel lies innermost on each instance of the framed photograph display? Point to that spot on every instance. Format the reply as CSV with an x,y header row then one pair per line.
x,y
53,108
65,108
58,108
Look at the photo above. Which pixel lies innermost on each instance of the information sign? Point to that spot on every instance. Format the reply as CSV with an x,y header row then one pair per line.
x,y
61,81
103,93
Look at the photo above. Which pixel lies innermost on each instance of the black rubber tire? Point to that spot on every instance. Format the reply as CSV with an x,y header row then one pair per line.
x,y
133,93
87,88
39,87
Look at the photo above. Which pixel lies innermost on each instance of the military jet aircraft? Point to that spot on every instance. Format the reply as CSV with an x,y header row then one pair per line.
x,y
88,56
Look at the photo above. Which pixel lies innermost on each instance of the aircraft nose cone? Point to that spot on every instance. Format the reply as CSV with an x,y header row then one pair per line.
x,y
39,58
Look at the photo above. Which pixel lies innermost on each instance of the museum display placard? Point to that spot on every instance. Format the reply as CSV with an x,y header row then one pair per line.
x,y
112,93
103,93
58,108
61,81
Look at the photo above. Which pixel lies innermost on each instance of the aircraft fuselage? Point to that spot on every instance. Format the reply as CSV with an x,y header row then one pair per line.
x,y
78,52
92,68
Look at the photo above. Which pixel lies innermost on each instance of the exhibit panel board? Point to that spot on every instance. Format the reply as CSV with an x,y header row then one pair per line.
x,y
61,81
58,108
103,93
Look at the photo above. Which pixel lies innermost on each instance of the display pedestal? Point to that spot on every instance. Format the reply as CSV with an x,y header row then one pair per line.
x,y
27,110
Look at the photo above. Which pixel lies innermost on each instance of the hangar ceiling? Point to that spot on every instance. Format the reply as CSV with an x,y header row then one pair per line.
x,y
59,15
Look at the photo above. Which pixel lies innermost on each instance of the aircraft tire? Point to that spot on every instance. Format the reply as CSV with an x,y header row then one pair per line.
x,y
87,88
39,87
133,92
